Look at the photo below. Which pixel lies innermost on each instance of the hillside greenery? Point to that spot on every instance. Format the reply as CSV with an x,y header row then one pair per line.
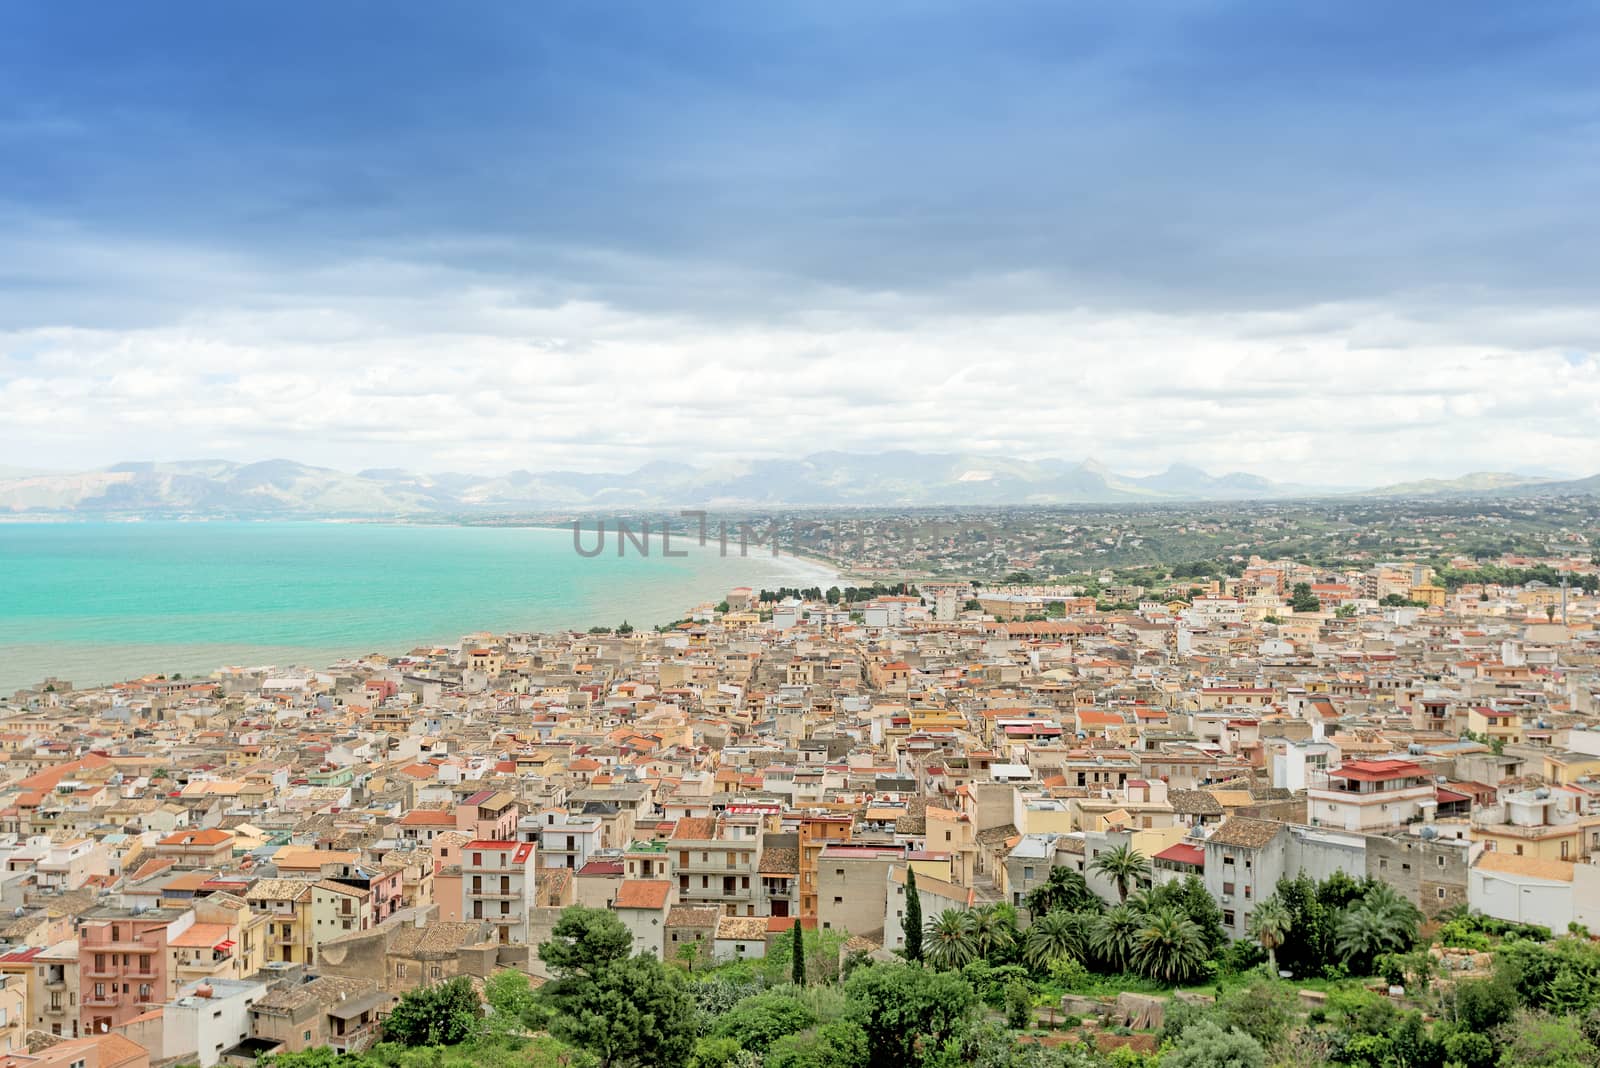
x,y
989,991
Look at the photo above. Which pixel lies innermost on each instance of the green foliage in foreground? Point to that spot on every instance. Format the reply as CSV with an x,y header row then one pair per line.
x,y
607,1007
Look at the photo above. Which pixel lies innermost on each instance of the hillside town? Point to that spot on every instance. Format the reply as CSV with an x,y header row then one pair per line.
x,y
206,870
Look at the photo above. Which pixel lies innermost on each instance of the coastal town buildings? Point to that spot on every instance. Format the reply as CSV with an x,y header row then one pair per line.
x,y
294,849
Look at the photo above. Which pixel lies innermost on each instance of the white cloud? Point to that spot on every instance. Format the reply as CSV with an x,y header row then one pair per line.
x,y
386,362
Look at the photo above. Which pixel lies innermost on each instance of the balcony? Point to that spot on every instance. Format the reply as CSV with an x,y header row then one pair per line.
x,y
203,968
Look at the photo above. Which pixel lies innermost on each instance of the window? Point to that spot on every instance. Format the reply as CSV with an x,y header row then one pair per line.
x,y
1440,892
399,971
436,971
1027,872
1227,917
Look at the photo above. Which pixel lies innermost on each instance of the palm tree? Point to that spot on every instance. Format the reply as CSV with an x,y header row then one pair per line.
x,y
993,929
1063,889
1142,900
1115,936
1125,866
1383,922
1170,947
1269,925
949,940
1053,936
1383,896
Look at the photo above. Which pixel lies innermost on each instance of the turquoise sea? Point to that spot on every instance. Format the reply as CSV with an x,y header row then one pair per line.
x,y
98,602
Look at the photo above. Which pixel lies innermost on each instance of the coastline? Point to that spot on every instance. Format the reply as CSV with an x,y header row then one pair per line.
x,y
547,590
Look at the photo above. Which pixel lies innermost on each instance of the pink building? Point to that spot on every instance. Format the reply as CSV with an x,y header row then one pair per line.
x,y
122,963
489,814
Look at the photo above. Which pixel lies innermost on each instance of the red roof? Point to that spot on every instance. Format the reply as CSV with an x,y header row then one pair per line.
x,y
644,894
203,838
1376,770
1184,853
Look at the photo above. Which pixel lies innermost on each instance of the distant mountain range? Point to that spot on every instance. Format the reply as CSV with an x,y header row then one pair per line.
x,y
283,487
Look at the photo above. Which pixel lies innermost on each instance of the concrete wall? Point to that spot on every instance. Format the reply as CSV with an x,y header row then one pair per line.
x,y
1430,874
855,900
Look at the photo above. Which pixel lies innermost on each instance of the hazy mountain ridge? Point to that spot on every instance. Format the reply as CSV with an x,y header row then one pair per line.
x,y
285,487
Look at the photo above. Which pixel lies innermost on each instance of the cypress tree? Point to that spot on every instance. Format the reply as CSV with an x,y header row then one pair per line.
x,y
799,960
913,920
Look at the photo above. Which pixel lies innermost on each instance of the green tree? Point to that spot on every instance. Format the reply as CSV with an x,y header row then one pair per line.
x,y
950,939
1170,947
1063,888
907,1012
1206,1045
1125,866
585,942
514,1009
994,930
759,1021
1019,1005
1264,1010
1115,935
1270,924
1301,599
797,962
1053,936
839,1044
1540,1040
624,1010
1190,896
440,1014
1382,922
912,924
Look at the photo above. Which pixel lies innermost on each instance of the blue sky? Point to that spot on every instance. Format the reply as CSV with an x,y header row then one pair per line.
x,y
1324,241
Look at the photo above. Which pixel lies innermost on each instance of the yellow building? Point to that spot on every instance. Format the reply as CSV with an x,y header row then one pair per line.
x,y
228,940
13,1012
1495,726
1429,594
1565,768
286,904
20,991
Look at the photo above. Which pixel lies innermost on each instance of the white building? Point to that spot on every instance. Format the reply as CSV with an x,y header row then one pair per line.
x,y
497,886
206,1018
1551,893
1370,795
